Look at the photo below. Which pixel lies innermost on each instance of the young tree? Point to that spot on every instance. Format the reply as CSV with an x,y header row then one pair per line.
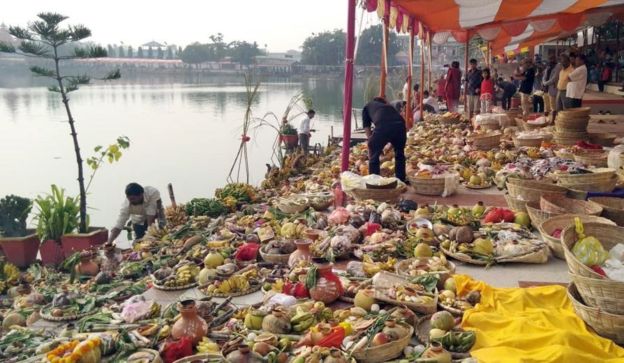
x,y
369,48
130,52
42,39
195,53
161,53
110,50
170,52
140,53
150,52
179,52
243,52
326,48
120,52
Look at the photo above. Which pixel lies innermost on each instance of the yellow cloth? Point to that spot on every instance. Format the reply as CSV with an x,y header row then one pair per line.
x,y
536,324
563,78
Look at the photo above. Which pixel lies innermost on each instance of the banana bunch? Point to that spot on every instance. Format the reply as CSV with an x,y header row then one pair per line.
x,y
11,273
200,222
156,232
3,286
207,346
302,320
164,332
186,274
459,342
176,216
155,309
239,283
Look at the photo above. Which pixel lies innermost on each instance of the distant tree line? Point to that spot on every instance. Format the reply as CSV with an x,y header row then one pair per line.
x,y
328,48
241,52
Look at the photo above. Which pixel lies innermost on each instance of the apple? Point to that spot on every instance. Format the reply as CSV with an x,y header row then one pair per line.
x,y
380,339
522,219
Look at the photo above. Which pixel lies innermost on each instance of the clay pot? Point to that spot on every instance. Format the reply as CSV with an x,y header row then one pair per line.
x,y
301,254
244,355
190,324
87,266
437,352
328,287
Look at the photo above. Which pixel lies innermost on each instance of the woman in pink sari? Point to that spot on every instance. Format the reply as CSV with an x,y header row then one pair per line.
x,y
453,87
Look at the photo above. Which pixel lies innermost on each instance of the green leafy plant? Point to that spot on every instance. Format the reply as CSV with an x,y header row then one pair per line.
x,y
287,129
14,211
210,207
112,153
56,215
45,39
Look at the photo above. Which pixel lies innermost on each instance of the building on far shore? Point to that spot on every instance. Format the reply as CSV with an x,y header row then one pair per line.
x,y
280,63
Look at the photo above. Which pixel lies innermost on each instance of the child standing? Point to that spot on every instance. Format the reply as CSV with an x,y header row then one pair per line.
x,y
487,91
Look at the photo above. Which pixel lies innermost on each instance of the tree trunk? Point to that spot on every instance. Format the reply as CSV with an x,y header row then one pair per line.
x,y
83,194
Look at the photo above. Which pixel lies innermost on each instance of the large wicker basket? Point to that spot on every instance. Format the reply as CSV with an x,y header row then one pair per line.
x,y
604,139
613,208
487,142
560,205
428,186
537,215
596,175
609,236
563,123
600,186
563,221
604,294
276,259
528,126
608,325
384,352
596,159
569,137
379,195
531,142
531,190
575,112
516,205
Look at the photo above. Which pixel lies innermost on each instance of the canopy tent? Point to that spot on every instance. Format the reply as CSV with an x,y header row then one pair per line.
x,y
505,24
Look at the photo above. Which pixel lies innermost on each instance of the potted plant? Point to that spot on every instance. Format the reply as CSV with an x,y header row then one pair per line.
x,y
20,245
56,215
46,39
288,135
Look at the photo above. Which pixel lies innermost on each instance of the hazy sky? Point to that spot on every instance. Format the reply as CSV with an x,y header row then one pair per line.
x,y
281,24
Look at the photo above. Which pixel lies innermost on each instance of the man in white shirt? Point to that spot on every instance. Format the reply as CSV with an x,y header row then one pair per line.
x,y
305,131
142,206
577,83
431,101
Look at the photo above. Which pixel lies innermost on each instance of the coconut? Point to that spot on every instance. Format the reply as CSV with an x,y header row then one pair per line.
x,y
442,320
462,234
12,319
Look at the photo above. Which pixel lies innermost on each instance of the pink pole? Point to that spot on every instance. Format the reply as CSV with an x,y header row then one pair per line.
x,y
348,85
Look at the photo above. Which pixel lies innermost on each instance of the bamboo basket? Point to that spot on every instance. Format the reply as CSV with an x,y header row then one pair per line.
x,y
487,142
613,208
202,357
516,205
608,325
527,126
604,294
379,195
609,236
569,138
531,190
531,142
428,186
276,259
596,159
596,175
384,352
562,221
402,268
600,186
537,215
603,139
563,123
561,205
292,208
575,112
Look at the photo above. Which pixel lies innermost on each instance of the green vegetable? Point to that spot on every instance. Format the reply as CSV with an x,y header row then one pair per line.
x,y
205,207
240,191
287,129
429,282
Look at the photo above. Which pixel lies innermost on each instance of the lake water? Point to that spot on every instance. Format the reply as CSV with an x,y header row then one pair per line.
x,y
181,133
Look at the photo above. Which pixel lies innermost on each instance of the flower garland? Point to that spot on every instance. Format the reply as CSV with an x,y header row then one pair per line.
x,y
77,349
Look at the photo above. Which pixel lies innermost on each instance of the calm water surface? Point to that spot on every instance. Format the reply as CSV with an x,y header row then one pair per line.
x,y
185,134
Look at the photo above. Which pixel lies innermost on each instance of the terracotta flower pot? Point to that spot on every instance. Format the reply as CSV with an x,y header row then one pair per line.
x,y
51,252
190,324
290,140
328,287
20,251
301,254
77,242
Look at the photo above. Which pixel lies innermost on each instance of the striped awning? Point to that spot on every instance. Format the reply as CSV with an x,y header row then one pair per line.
x,y
507,24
